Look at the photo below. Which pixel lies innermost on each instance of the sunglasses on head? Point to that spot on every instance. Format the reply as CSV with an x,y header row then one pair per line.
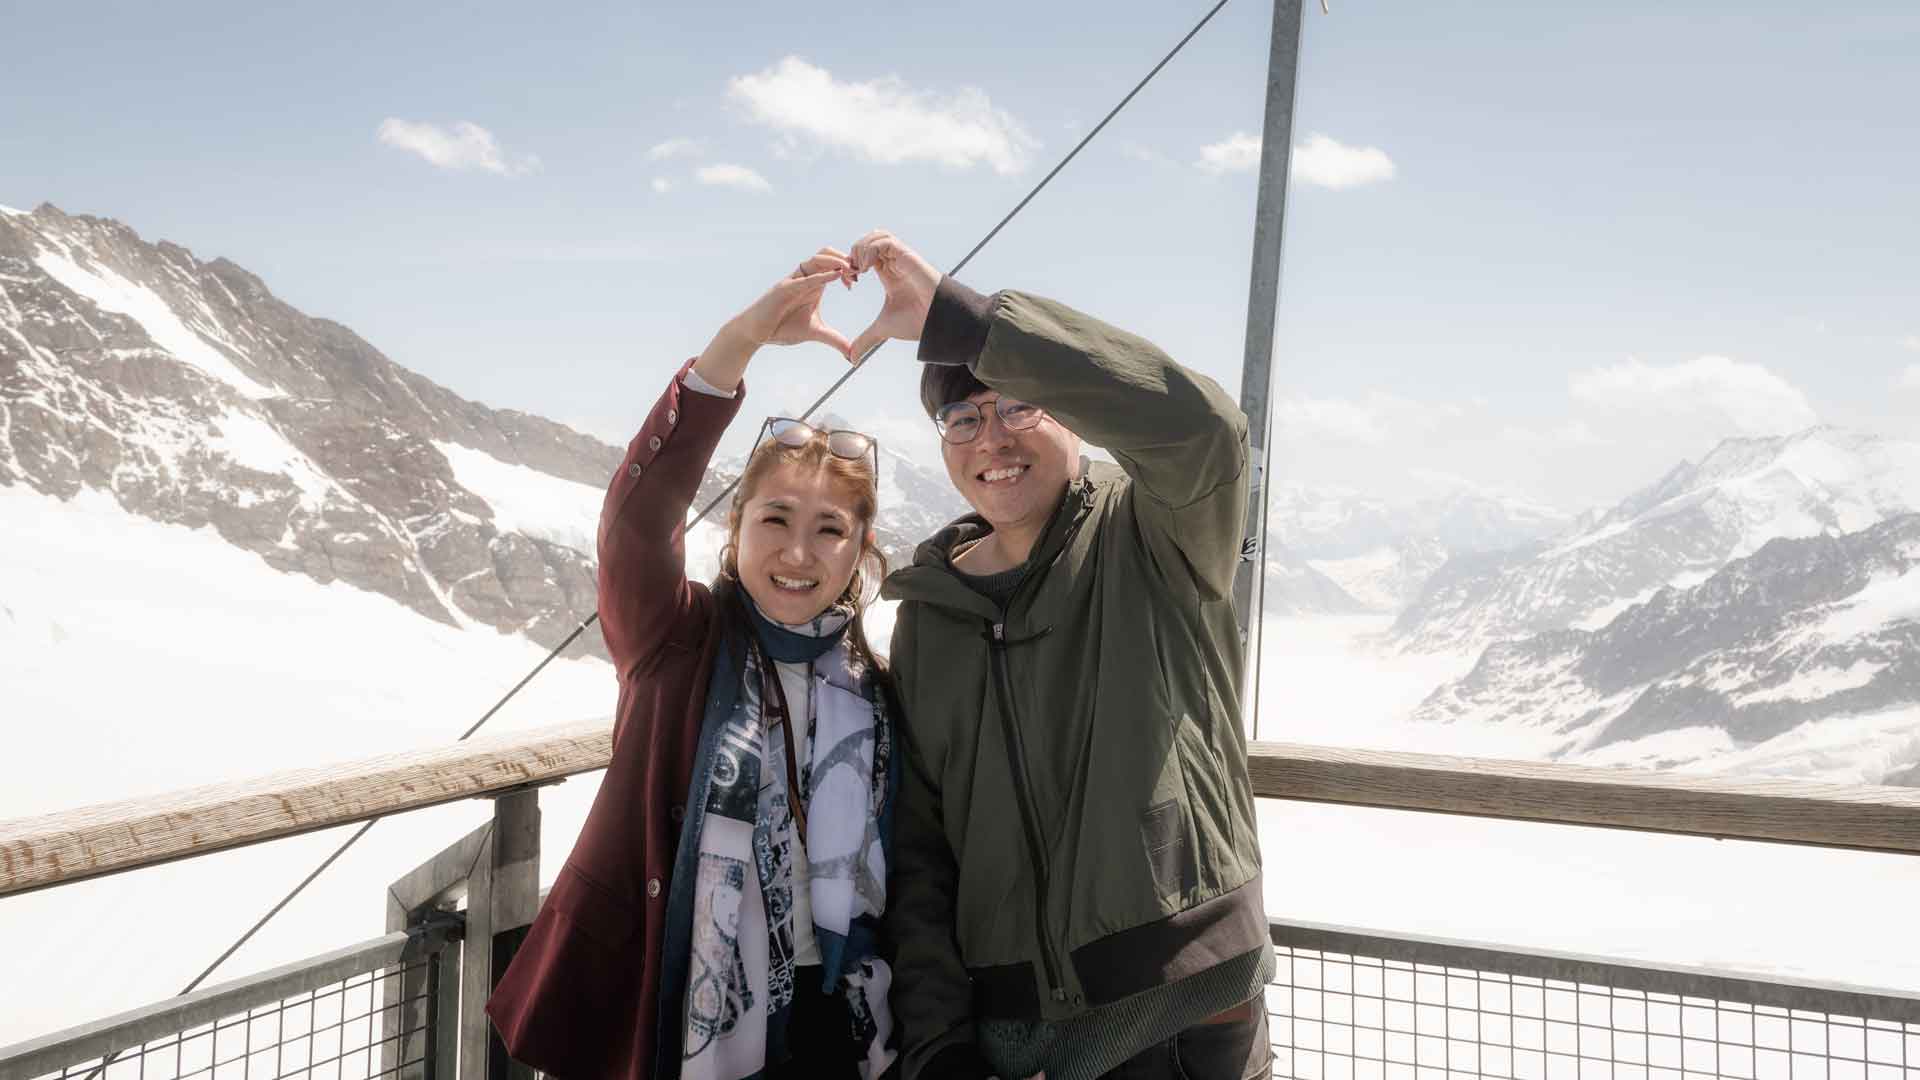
x,y
960,421
841,443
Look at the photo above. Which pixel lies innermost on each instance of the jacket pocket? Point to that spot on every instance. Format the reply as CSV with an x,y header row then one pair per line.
x,y
1170,856
566,1004
592,908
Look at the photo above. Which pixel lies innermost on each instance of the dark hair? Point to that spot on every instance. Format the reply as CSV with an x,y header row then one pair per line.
x,y
944,384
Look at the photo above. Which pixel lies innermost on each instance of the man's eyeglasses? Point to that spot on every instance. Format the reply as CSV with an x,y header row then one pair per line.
x,y
841,443
960,421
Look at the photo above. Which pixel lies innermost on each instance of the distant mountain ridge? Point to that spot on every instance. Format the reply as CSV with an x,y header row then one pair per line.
x,y
1675,532
1380,553
1812,629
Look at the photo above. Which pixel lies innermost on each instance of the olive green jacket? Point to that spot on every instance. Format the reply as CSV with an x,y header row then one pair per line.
x,y
1075,824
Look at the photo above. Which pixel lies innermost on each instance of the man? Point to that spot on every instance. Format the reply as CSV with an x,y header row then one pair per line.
x,y
1076,881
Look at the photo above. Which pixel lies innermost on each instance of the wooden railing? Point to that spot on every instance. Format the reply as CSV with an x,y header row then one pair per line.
x,y
109,838
1724,807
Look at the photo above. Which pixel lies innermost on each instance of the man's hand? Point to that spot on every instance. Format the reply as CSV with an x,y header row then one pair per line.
x,y
909,281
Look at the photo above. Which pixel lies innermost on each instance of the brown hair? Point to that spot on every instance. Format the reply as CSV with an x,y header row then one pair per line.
x,y
854,476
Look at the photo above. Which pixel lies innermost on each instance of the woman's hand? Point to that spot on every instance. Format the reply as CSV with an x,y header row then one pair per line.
x,y
790,311
909,280
786,314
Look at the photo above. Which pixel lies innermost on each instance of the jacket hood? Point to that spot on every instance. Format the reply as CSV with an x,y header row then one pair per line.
x,y
932,577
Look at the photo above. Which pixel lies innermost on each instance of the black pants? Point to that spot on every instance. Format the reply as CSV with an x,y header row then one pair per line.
x,y
820,1034
1226,1050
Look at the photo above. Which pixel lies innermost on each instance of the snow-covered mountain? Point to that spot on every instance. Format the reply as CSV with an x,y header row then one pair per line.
x,y
1381,553
191,395
1676,532
1800,657
1386,579
1338,523
1296,587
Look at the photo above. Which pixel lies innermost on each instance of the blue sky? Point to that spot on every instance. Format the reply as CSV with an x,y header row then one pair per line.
x,y
1542,248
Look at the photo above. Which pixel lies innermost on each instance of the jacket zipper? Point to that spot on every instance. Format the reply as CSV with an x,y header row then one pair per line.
x,y
1029,818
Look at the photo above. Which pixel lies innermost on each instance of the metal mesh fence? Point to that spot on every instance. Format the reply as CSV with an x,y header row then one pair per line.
x,y
1344,1007
349,1030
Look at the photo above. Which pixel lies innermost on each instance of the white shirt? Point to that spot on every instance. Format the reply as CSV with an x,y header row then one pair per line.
x,y
693,381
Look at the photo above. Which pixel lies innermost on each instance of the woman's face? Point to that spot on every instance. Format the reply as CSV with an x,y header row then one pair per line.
x,y
799,543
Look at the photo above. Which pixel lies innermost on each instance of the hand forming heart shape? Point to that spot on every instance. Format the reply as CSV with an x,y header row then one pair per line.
x,y
790,312
909,280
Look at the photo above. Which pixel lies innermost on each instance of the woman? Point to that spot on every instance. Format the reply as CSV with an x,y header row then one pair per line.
x,y
716,917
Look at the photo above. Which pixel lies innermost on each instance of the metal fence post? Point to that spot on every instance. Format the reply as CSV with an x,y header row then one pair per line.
x,y
503,894
496,867
406,1003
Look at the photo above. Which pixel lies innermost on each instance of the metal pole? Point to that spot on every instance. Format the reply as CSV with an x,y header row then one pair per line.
x,y
1263,294
503,895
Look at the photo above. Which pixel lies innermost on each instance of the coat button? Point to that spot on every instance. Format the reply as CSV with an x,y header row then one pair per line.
x,y
634,470
679,814
654,443
673,416
653,888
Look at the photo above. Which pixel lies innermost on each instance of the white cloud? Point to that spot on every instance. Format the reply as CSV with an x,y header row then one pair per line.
x,y
1148,154
1575,433
884,121
1911,341
1746,397
1374,421
1238,152
662,185
1910,378
733,176
673,148
1578,433
1441,482
1330,164
1318,419
1321,160
463,146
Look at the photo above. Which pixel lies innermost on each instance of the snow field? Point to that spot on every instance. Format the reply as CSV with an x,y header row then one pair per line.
x,y
139,658
527,500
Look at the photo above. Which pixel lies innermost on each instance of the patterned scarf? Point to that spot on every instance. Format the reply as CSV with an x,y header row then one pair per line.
x,y
741,984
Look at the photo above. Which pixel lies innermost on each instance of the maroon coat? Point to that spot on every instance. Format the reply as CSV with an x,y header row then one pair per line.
x,y
581,997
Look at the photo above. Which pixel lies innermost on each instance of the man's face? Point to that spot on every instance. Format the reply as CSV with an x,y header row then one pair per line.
x,y
1013,478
